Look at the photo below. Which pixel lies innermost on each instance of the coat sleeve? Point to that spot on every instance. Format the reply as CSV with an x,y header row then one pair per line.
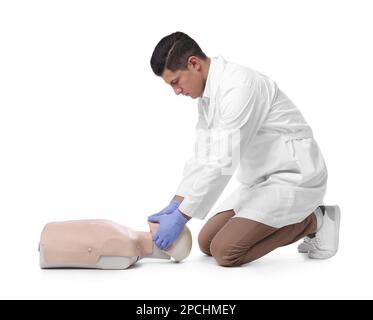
x,y
243,111
196,163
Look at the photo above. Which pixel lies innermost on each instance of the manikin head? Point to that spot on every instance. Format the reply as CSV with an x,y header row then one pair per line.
x,y
181,247
181,63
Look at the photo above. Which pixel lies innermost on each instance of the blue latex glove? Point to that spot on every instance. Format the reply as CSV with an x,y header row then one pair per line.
x,y
169,209
170,227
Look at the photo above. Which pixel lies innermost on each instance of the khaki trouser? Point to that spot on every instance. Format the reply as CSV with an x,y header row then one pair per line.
x,y
235,241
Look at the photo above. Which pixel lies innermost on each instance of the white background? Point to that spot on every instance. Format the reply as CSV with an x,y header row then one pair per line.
x,y
88,131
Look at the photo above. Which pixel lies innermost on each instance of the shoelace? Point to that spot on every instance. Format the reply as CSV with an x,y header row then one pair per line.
x,y
307,240
312,241
317,243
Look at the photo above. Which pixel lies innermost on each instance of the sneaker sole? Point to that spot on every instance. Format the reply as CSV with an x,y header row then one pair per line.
x,y
304,247
303,250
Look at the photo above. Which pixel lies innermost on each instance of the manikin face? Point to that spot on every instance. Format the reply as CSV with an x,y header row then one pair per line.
x,y
189,82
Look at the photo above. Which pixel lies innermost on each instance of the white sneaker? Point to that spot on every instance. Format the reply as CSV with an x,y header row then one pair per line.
x,y
325,243
306,245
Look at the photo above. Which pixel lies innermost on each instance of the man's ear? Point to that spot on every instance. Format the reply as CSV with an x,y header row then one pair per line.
x,y
194,63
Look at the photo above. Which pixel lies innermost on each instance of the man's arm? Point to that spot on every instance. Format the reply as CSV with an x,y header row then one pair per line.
x,y
243,111
180,200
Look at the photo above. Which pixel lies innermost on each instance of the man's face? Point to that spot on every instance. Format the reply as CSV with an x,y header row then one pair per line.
x,y
188,82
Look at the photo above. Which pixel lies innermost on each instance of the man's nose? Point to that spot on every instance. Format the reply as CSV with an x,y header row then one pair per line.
x,y
178,91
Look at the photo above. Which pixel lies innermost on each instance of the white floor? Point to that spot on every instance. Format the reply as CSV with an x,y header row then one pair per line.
x,y
283,274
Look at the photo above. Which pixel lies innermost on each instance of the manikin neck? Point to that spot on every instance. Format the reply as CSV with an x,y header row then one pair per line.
x,y
149,248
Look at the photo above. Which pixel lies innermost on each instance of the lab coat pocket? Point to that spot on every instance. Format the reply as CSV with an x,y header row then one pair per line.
x,y
291,153
310,161
289,145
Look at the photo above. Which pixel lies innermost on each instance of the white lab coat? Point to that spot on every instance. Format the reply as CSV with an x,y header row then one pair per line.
x,y
281,170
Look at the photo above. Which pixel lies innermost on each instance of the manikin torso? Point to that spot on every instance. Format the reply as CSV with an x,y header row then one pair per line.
x,y
104,244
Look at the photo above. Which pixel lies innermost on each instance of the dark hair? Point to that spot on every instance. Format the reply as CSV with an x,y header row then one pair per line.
x,y
173,51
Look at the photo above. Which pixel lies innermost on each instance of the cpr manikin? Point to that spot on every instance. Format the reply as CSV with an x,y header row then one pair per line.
x,y
104,244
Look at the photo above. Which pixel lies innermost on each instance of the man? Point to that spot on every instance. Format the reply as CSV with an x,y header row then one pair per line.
x,y
246,122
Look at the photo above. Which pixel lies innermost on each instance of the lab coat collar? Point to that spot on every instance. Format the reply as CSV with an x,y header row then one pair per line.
x,y
216,68
206,92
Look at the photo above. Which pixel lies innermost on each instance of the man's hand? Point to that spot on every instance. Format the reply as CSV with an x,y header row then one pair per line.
x,y
170,227
169,209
